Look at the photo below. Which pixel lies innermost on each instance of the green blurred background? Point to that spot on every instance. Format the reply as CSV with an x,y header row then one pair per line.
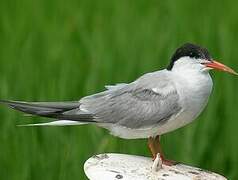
x,y
58,50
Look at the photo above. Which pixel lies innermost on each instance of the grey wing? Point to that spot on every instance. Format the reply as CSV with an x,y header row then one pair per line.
x,y
136,105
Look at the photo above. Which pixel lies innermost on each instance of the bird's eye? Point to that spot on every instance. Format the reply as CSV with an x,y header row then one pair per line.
x,y
192,54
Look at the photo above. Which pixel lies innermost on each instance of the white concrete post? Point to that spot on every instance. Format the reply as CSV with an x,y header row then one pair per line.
x,y
129,167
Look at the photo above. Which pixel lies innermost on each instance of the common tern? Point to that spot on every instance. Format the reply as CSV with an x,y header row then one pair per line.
x,y
152,105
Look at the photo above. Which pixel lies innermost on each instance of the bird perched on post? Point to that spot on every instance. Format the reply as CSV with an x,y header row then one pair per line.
x,y
152,105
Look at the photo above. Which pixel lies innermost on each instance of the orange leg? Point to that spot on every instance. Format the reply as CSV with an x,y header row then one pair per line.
x,y
155,148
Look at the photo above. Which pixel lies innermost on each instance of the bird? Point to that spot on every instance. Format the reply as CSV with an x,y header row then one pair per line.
x,y
154,104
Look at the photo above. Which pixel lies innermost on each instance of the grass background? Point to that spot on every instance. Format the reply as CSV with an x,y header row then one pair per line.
x,y
58,50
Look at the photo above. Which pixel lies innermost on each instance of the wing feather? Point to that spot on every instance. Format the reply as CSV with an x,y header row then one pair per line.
x,y
150,100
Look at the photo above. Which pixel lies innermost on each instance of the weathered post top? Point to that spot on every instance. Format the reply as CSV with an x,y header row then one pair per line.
x,y
130,167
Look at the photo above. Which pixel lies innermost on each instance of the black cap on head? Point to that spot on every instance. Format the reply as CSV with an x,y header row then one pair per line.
x,y
191,50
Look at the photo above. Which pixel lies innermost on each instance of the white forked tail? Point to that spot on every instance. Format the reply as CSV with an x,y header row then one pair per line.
x,y
56,123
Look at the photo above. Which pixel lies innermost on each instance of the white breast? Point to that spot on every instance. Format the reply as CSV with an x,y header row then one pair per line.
x,y
194,88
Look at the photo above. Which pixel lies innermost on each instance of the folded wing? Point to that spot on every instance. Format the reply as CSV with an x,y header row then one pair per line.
x,y
150,100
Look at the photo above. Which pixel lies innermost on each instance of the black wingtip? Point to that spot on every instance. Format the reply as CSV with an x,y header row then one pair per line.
x,y
5,102
11,102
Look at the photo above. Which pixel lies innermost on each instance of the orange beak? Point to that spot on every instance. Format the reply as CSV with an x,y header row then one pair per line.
x,y
219,66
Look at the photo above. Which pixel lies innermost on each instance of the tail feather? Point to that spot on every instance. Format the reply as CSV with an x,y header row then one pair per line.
x,y
57,110
56,123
